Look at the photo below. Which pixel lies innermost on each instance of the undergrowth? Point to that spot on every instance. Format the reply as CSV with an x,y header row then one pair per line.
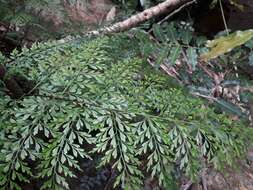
x,y
98,96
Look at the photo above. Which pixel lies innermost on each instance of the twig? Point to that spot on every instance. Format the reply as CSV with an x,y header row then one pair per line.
x,y
204,96
223,17
206,70
174,12
170,71
203,180
186,186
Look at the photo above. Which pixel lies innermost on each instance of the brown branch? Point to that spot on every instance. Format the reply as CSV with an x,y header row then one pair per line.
x,y
135,20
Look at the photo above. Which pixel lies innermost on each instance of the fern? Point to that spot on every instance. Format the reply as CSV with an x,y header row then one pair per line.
x,y
100,92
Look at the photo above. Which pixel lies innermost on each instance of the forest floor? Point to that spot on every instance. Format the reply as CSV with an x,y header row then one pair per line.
x,y
240,177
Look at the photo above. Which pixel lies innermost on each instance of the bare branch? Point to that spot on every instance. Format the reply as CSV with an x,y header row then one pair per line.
x,y
135,20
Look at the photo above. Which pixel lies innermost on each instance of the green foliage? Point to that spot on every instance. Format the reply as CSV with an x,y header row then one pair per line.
x,y
179,50
99,92
176,40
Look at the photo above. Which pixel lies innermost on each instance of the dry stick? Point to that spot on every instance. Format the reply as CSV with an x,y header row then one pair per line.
x,y
203,180
210,98
223,17
167,70
187,186
139,18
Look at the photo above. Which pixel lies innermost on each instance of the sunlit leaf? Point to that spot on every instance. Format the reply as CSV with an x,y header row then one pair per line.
x,y
225,44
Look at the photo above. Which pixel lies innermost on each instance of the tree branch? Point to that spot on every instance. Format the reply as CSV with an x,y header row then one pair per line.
x,y
135,20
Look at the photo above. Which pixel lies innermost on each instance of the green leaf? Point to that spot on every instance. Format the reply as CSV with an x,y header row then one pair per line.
x,y
175,53
229,107
158,32
192,57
